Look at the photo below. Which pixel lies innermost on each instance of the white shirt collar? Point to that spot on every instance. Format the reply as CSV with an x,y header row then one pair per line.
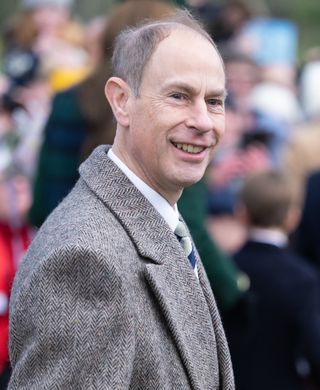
x,y
269,236
169,213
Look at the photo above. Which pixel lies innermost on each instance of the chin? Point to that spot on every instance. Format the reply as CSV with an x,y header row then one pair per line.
x,y
186,177
187,182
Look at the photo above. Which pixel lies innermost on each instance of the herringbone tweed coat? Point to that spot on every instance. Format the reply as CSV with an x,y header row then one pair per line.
x,y
106,299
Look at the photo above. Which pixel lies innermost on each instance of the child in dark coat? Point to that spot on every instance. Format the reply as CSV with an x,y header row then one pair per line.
x,y
284,321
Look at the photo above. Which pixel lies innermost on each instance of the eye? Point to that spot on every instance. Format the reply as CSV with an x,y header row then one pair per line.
x,y
214,102
216,105
178,96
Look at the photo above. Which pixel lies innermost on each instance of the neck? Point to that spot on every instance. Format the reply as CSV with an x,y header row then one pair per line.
x,y
129,170
171,196
273,235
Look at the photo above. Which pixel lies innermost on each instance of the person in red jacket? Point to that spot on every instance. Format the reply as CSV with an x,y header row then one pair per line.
x,y
6,277
15,237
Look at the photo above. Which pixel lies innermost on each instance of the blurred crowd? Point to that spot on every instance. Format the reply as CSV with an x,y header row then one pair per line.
x,y
53,113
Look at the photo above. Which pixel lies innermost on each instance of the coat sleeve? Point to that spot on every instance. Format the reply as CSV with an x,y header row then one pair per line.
x,y
71,325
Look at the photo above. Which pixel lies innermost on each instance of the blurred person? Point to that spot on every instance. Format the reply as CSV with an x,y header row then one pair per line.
x,y
15,233
107,295
23,108
6,277
15,237
260,120
244,149
243,74
284,323
55,36
238,156
24,103
301,156
94,29
49,15
272,43
279,110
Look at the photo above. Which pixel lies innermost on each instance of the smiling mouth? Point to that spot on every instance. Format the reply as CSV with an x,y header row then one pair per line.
x,y
189,148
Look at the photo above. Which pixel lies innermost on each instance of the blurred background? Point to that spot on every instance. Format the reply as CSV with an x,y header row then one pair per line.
x,y
306,14
55,57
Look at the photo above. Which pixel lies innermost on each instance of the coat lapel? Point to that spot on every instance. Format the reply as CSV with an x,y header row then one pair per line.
x,y
223,354
189,315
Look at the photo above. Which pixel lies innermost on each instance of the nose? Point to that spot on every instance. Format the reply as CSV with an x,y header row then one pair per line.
x,y
200,118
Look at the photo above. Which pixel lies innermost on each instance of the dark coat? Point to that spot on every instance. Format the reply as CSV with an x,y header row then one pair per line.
x,y
284,318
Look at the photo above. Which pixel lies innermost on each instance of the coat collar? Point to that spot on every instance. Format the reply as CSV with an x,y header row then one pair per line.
x,y
143,223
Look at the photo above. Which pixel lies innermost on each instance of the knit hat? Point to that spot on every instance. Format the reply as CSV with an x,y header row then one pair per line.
x,y
31,4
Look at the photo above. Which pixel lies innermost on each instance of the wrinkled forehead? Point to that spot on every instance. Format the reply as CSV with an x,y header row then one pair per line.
x,y
182,36
184,49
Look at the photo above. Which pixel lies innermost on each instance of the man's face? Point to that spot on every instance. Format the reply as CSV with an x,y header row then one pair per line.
x,y
178,117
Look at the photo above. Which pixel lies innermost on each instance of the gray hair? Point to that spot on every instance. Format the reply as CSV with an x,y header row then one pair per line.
x,y
135,46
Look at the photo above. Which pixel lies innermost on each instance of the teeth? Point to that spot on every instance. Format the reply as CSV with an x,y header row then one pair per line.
x,y
190,148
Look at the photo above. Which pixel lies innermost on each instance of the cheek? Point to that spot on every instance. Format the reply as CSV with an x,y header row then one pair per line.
x,y
153,128
145,143
166,116
220,124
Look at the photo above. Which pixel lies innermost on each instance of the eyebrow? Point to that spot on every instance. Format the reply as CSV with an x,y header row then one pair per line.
x,y
184,87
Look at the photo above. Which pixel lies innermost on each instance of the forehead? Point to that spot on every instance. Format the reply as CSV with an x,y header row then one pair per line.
x,y
185,54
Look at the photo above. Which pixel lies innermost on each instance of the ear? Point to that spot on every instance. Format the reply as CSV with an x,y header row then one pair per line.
x,y
292,219
117,92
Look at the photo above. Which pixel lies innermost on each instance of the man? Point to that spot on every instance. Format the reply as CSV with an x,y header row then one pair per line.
x,y
106,297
